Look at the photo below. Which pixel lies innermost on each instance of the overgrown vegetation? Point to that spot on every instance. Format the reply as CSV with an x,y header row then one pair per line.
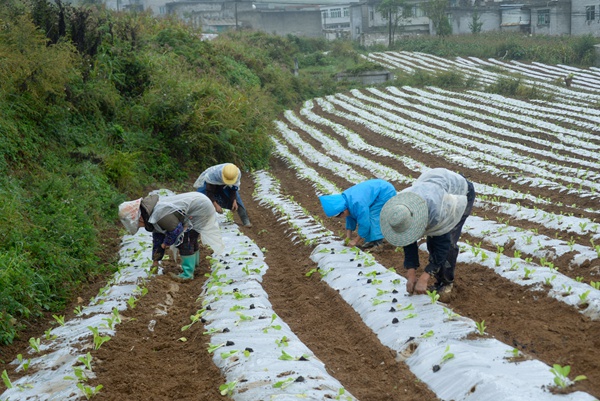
x,y
571,50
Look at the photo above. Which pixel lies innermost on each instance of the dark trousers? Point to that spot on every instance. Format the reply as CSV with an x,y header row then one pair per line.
x,y
189,245
224,198
446,273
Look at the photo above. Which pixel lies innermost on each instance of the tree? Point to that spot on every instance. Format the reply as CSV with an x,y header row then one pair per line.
x,y
436,11
475,24
393,11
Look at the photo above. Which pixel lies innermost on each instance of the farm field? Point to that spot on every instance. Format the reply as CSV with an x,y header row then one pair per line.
x,y
528,267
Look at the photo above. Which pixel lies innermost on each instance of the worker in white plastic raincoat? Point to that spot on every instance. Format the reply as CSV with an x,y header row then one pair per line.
x,y
175,220
436,206
221,183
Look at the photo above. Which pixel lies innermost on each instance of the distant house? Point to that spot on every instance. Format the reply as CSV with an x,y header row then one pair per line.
x,y
305,22
585,17
515,17
211,16
335,20
359,19
551,17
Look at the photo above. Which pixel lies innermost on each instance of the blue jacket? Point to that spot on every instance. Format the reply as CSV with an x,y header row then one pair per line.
x,y
364,202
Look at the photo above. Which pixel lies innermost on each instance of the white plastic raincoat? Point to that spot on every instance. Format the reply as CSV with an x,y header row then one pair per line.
x,y
214,175
446,195
199,215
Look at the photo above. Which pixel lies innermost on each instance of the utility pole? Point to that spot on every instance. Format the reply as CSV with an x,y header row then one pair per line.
x,y
236,17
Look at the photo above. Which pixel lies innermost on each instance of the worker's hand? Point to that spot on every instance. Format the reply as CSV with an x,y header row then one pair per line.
x,y
234,206
163,246
421,286
352,243
218,208
411,280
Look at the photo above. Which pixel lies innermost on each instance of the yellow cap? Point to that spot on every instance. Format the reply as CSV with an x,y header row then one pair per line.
x,y
230,173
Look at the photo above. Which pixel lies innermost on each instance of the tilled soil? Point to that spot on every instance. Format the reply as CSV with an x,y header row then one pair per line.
x,y
149,361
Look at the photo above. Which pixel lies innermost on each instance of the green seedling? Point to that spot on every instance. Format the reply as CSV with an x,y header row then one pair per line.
x,y
583,297
6,379
78,311
213,347
284,383
548,280
48,335
481,327
287,357
311,272
561,376
514,353
80,375
499,251
242,318
282,342
35,343
227,388
567,290
24,365
341,395
98,339
225,355
447,355
579,279
410,316
131,302
595,284
428,334
528,273
195,318
433,296
271,325
451,315
89,391
86,360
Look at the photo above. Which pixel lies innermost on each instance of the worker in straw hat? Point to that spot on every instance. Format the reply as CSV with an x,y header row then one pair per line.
x,y
221,183
436,206
175,220
360,205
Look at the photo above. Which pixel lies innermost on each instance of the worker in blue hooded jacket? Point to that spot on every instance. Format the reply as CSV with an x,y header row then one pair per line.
x,y
361,205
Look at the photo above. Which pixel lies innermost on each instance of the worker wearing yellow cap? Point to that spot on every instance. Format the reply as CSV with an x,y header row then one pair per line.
x,y
221,183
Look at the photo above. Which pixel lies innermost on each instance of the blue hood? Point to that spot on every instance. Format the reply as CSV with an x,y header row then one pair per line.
x,y
333,204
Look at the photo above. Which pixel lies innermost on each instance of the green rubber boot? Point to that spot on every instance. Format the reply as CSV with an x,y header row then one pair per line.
x,y
197,256
188,264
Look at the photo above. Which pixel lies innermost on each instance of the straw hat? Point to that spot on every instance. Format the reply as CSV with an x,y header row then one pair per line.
x,y
129,214
230,173
403,219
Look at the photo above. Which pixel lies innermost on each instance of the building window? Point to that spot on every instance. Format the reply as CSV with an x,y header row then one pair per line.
x,y
346,12
590,13
543,17
416,12
325,14
336,13
371,14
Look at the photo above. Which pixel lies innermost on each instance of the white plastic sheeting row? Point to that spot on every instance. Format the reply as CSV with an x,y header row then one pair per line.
x,y
60,352
420,331
237,311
